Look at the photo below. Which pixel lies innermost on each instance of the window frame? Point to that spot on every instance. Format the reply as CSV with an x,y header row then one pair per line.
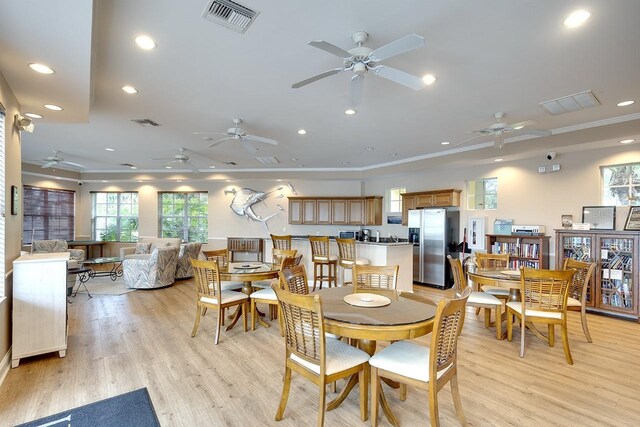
x,y
186,218
49,232
629,186
3,150
119,218
391,200
484,194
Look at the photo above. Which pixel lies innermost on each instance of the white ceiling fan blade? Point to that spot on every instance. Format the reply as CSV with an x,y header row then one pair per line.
x,y
328,47
356,90
317,77
77,165
399,77
209,133
261,139
219,141
49,164
468,140
405,44
193,167
250,148
536,132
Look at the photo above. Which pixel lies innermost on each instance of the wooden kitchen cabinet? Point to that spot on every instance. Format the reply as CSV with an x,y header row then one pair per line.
x,y
429,199
308,211
355,211
373,211
338,212
323,212
295,211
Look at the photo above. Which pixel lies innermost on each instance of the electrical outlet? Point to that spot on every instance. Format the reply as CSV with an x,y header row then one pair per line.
x,y
555,168
542,169
284,229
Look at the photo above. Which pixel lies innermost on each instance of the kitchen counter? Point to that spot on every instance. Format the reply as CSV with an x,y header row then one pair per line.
x,y
383,241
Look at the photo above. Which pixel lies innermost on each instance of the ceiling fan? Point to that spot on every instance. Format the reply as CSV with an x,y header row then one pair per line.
x,y
361,59
500,128
239,134
181,158
57,160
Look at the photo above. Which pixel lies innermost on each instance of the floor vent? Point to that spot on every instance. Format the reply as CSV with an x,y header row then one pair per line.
x,y
267,160
145,122
570,103
229,14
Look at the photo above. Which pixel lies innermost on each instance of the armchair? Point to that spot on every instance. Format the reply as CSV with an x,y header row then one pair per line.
x,y
187,252
54,246
156,271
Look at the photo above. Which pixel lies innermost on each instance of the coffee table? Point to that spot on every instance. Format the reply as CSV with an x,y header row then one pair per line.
x,y
114,273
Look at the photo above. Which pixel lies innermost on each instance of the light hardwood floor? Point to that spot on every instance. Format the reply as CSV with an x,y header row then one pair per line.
x,y
142,339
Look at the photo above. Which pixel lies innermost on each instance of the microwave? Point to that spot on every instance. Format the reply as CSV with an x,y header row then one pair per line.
x,y
346,234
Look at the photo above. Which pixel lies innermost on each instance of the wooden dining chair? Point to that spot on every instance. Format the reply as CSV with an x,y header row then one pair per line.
x,y
544,300
321,258
317,358
493,261
278,255
222,256
281,242
210,295
427,368
477,299
375,279
577,299
268,296
294,279
347,257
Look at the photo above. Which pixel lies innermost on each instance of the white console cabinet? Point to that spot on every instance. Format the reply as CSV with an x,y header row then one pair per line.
x,y
39,305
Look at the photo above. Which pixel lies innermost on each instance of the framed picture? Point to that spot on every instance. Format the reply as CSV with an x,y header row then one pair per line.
x,y
475,233
567,221
633,219
600,217
394,219
15,200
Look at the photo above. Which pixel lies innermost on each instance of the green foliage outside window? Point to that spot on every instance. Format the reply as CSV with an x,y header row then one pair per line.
x,y
184,215
115,217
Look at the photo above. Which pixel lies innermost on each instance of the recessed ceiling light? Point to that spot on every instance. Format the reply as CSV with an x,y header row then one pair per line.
x,y
167,167
145,42
498,160
133,167
429,79
41,68
212,166
620,104
577,18
302,132
350,112
301,166
140,181
227,180
369,148
53,107
109,149
294,160
33,115
104,180
445,143
178,180
346,163
627,141
130,89
518,127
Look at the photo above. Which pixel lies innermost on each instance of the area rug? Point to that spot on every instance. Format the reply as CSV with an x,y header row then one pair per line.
x,y
129,409
103,286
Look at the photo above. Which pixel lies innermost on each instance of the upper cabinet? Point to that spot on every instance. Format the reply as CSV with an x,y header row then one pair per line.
x,y
428,199
336,210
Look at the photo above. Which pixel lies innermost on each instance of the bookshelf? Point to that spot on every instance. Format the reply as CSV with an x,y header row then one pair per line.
x,y
524,251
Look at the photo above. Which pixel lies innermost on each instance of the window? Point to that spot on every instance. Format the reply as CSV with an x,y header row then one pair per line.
x,y
482,194
115,216
394,200
621,185
49,213
184,215
3,204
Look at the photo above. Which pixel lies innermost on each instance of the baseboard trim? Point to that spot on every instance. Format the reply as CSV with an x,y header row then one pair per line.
x,y
5,366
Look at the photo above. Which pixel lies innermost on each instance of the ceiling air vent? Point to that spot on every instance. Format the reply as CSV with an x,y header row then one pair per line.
x,y
230,163
145,122
267,160
229,14
570,103
129,165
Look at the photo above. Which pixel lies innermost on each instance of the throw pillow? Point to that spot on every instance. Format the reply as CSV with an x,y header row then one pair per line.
x,y
143,248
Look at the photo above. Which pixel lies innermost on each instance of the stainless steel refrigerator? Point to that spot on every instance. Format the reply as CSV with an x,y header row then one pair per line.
x,y
434,233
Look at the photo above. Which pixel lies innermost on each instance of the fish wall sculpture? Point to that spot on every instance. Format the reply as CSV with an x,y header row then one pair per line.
x,y
244,200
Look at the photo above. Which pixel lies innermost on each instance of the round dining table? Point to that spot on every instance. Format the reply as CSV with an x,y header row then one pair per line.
x,y
407,316
503,278
247,272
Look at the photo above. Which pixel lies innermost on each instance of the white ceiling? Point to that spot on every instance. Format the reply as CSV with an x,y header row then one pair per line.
x,y
489,56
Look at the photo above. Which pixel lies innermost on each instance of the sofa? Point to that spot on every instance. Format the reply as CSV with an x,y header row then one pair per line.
x,y
146,245
151,271
56,246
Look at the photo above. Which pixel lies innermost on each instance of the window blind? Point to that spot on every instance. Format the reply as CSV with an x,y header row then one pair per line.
x,y
3,207
48,214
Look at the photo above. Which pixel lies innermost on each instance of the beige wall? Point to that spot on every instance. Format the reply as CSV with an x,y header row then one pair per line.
x,y
13,224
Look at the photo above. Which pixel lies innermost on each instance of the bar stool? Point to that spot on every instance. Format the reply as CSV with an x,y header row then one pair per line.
x,y
321,258
347,257
281,242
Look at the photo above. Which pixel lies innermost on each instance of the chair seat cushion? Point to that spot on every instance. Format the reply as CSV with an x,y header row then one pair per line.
x,y
319,258
230,286
263,283
572,302
339,357
517,307
405,358
227,297
483,298
359,261
265,294
494,290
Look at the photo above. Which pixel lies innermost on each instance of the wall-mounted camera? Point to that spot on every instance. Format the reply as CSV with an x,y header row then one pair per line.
x,y
79,182
551,155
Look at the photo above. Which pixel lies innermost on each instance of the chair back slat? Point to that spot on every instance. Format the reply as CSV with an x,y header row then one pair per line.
x,y
447,326
347,249
294,279
369,278
459,278
281,242
207,275
221,255
303,322
492,260
319,247
280,254
545,290
581,277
